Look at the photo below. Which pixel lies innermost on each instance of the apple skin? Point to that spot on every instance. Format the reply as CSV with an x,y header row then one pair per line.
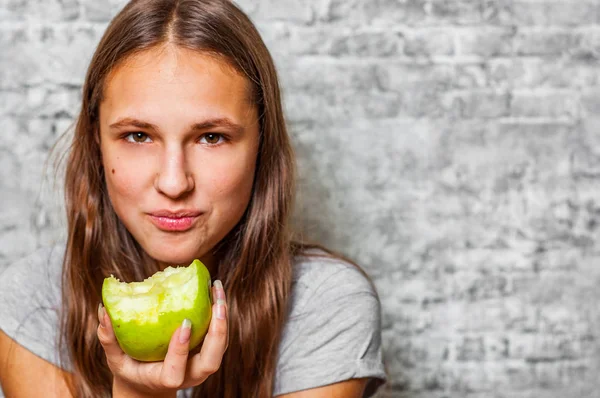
x,y
149,342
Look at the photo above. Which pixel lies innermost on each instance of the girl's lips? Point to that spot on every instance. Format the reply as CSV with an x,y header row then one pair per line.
x,y
173,223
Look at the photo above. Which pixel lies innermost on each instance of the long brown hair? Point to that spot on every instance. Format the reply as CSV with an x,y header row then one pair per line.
x,y
255,257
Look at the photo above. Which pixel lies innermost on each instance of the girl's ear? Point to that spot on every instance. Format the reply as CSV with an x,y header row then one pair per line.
x,y
97,134
97,139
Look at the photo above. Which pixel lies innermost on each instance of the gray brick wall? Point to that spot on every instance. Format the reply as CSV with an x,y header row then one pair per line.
x,y
449,146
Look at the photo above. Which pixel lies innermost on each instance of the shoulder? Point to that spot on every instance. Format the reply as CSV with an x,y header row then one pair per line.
x,y
318,275
46,259
30,297
38,273
331,294
333,330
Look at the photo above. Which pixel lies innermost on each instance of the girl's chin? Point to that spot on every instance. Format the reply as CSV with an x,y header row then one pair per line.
x,y
172,256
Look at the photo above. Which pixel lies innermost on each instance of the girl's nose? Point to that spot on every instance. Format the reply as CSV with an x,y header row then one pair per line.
x,y
173,178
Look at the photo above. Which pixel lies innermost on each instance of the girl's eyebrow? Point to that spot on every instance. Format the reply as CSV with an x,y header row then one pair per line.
x,y
201,126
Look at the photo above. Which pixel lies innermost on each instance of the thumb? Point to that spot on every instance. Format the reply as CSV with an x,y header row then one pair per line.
x,y
114,354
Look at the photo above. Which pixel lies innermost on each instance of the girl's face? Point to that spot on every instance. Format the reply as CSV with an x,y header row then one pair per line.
x,y
179,139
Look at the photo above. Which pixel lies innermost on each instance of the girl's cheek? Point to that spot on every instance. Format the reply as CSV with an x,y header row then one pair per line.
x,y
124,179
235,180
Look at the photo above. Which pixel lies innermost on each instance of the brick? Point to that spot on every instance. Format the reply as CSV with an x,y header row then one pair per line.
x,y
423,86
377,12
339,106
563,374
470,76
329,40
44,131
497,11
514,376
586,159
558,260
429,42
420,291
28,135
535,348
586,221
590,101
547,288
366,44
520,315
248,6
40,101
477,379
12,128
544,104
425,381
455,11
410,320
284,40
15,243
12,74
467,316
414,352
487,260
397,76
551,137
476,104
294,11
485,42
13,102
10,167
544,42
588,45
39,10
491,379
470,349
423,102
539,73
558,318
49,220
554,13
471,286
102,10
314,76
350,10
53,102
46,54
31,170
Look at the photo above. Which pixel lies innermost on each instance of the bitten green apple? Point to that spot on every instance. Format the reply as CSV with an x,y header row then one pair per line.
x,y
145,314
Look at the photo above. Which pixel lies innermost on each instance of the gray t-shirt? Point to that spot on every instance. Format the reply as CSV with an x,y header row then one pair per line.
x,y
333,332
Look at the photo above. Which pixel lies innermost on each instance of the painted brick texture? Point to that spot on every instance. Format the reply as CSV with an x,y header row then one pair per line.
x,y
451,147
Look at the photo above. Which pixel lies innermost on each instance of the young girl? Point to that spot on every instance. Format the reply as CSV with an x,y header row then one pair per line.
x,y
181,152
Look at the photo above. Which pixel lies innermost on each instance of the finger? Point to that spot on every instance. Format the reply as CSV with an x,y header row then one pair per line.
x,y
214,295
208,360
114,354
173,369
219,293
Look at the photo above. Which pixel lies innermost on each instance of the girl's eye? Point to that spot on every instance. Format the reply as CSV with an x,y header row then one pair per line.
x,y
212,138
137,137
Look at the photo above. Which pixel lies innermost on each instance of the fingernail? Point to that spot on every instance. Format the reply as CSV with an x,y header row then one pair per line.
x,y
101,312
220,290
220,308
185,331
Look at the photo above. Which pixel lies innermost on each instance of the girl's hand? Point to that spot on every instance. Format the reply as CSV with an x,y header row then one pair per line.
x,y
177,371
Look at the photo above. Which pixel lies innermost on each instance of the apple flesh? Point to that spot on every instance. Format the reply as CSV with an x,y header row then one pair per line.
x,y
144,315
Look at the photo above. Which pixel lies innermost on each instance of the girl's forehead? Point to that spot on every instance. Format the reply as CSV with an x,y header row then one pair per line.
x,y
157,81
172,66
